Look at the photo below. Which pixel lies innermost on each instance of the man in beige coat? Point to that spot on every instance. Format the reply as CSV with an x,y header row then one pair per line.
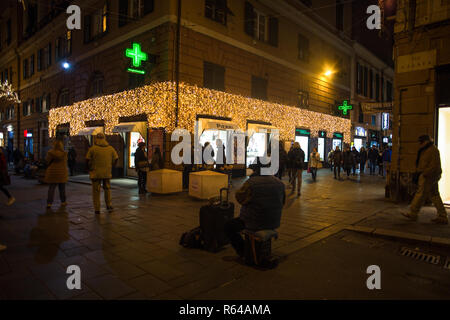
x,y
101,157
428,171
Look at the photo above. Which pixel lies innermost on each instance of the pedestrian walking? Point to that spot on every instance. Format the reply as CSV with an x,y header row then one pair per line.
x,y
330,159
289,164
56,174
72,159
348,160
142,167
314,163
428,173
5,180
380,162
387,153
297,158
101,158
283,161
337,162
373,156
362,159
356,156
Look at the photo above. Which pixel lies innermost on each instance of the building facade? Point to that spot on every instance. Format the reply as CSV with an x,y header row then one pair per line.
x,y
293,53
422,79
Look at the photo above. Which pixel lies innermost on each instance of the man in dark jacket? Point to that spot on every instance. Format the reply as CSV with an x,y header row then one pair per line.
x,y
373,157
362,159
142,166
348,160
71,159
428,171
297,159
337,162
262,199
283,158
356,156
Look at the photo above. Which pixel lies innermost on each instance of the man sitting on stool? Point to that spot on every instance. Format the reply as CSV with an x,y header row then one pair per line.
x,y
262,198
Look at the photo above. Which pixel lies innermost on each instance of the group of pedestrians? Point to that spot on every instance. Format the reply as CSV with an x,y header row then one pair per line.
x,y
351,159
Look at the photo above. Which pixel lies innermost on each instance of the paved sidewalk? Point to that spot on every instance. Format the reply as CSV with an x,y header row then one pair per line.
x,y
134,253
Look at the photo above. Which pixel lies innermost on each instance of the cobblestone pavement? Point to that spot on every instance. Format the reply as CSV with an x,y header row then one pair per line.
x,y
133,252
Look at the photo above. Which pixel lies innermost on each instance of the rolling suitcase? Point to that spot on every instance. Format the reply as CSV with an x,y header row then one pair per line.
x,y
212,222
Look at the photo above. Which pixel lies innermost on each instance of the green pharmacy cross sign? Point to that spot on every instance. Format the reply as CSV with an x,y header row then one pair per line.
x,y
137,57
345,107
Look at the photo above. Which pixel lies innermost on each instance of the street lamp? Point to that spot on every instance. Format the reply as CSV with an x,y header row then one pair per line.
x,y
66,65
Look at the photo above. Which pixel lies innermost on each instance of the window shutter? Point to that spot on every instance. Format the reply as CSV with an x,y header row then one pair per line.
x,y
123,12
273,31
87,28
249,23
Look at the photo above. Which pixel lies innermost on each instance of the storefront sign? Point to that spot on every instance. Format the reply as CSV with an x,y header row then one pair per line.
x,y
416,61
345,107
136,56
322,134
376,107
338,135
385,121
360,132
302,132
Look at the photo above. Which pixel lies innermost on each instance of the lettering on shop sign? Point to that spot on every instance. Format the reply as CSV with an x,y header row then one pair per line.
x,y
374,281
374,21
74,20
74,280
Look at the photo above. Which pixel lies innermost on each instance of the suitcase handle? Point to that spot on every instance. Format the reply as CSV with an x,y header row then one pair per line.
x,y
221,199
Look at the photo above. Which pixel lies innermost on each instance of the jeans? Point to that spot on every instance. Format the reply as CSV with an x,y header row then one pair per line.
x,y
362,167
372,166
314,173
96,184
348,170
51,192
233,230
428,189
142,181
6,192
338,171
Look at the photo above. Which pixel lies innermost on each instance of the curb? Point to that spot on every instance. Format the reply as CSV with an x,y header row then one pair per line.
x,y
393,234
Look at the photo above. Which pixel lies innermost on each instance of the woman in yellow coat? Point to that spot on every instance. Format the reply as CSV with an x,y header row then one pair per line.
x,y
56,173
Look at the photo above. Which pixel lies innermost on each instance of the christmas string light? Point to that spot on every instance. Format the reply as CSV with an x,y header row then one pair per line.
x,y
7,92
158,102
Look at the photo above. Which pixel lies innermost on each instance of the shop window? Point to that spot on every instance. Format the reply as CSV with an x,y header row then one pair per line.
x,y
216,10
259,88
339,15
260,26
303,48
213,76
97,85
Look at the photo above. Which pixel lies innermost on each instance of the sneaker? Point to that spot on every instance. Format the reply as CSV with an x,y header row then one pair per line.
x,y
410,215
2,247
11,201
440,220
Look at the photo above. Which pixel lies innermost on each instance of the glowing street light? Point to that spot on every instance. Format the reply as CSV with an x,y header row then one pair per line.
x,y
66,65
328,73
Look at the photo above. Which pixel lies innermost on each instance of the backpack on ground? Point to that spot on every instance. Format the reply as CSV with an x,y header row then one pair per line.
x,y
192,239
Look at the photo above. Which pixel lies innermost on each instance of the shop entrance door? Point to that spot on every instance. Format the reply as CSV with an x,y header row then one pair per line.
x,y
358,143
321,149
444,148
337,143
